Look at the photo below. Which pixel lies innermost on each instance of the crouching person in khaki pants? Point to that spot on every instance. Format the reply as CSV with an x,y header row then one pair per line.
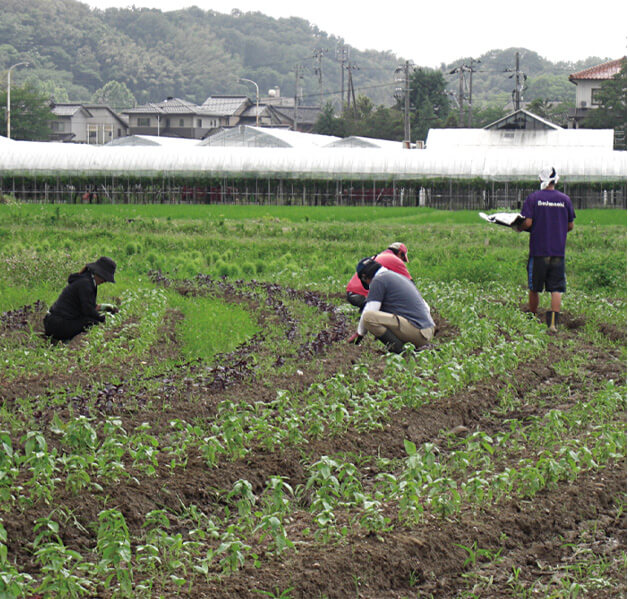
x,y
395,312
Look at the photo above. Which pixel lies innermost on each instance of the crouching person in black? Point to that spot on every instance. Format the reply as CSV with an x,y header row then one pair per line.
x,y
76,309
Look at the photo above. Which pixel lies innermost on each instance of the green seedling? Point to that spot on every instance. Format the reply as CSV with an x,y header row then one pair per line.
x,y
276,594
114,549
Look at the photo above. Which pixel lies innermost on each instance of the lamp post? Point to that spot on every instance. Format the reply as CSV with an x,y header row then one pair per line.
x,y
256,99
9,96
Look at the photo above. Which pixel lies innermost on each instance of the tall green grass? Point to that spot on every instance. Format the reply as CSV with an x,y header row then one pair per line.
x,y
102,213
210,326
316,247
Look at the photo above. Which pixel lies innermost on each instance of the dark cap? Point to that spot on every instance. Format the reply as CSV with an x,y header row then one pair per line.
x,y
103,267
366,269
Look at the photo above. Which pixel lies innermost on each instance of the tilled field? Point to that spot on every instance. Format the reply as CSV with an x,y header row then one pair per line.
x,y
301,466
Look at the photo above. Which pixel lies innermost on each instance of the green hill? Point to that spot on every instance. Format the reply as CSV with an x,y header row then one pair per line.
x,y
73,51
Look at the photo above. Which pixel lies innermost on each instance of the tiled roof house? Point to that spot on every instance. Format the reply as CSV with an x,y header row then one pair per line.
x,y
175,117
86,123
588,84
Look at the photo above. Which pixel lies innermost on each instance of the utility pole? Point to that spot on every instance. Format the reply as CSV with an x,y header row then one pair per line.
x,y
402,75
350,89
341,57
318,70
460,93
517,93
517,85
460,70
471,70
298,77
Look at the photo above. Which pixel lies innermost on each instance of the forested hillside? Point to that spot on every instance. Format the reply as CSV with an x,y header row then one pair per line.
x,y
493,75
73,51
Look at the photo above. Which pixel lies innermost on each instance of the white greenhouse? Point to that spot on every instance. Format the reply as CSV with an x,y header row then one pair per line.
x,y
459,168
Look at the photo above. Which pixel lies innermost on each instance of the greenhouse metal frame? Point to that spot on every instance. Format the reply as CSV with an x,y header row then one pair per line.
x,y
447,178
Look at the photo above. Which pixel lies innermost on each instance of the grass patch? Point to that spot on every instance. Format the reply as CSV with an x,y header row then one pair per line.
x,y
209,326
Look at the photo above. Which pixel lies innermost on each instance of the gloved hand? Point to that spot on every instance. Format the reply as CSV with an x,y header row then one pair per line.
x,y
109,308
355,339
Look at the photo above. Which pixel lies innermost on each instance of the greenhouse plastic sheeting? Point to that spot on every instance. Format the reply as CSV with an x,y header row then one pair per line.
x,y
152,140
556,139
356,141
497,164
247,136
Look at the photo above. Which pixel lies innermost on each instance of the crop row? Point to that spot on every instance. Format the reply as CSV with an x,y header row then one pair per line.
x,y
135,328
336,495
84,454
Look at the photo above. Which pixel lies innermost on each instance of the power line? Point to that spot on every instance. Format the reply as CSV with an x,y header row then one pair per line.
x,y
278,63
359,89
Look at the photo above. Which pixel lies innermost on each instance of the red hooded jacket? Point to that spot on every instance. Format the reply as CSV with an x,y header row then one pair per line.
x,y
388,260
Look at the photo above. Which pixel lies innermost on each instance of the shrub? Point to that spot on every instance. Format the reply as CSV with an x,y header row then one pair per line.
x,y
248,268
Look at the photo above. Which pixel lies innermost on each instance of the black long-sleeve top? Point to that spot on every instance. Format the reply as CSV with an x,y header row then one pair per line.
x,y
78,299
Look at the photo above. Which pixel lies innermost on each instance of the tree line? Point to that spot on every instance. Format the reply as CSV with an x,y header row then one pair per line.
x,y
432,107
128,56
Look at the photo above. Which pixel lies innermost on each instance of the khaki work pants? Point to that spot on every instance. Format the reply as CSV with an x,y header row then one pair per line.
x,y
377,322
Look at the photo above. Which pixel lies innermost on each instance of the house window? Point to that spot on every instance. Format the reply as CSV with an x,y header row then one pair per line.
x,y
595,96
143,121
199,123
58,126
167,123
181,122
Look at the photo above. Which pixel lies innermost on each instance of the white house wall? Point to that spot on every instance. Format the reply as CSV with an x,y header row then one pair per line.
x,y
78,126
584,92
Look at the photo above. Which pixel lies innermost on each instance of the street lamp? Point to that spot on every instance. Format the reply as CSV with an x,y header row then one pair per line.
x,y
9,96
256,99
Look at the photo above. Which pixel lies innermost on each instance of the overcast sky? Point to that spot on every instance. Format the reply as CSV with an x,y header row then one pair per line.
x,y
429,32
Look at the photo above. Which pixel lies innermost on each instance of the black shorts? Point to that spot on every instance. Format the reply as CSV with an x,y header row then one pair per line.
x,y
547,273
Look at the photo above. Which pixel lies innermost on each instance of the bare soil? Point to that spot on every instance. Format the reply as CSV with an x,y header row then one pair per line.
x,y
541,537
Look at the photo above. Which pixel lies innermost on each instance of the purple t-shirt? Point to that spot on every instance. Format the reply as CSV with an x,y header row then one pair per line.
x,y
550,211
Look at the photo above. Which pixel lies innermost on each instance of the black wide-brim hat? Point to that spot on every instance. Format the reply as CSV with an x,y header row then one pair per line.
x,y
104,267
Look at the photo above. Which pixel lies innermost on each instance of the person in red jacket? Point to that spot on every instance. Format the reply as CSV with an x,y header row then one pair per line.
x,y
394,258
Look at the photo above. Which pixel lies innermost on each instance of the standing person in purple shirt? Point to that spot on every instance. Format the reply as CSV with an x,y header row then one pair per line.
x,y
549,216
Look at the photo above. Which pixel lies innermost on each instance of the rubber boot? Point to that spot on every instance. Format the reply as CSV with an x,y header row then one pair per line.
x,y
392,342
551,318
